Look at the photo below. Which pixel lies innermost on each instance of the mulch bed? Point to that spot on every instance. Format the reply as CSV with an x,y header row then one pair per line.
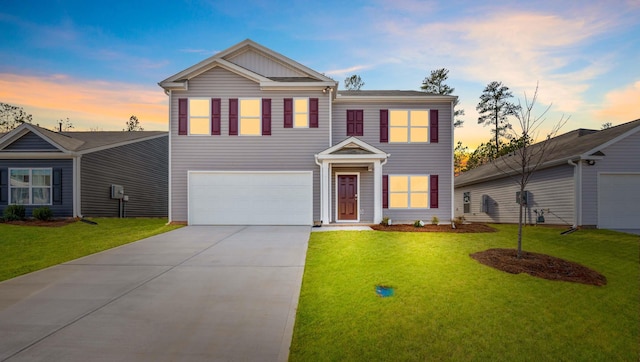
x,y
35,222
539,265
464,228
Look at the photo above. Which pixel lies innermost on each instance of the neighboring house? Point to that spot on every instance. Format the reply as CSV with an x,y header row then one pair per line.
x,y
257,138
590,178
72,172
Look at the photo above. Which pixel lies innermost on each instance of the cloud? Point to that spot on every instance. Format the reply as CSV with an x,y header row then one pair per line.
x,y
621,105
87,103
346,71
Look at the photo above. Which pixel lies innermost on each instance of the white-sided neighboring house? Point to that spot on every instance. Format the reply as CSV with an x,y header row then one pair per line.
x,y
258,138
591,179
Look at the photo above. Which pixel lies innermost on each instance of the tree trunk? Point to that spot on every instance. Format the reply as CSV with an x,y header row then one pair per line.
x,y
520,224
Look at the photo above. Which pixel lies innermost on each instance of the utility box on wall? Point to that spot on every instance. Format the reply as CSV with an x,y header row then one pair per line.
x,y
525,197
117,192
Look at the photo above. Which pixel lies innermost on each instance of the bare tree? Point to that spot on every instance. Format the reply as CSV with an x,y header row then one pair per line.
x,y
133,124
522,163
353,82
606,125
65,125
12,116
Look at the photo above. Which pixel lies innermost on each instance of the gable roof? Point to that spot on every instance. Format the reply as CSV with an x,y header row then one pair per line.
x,y
352,148
305,77
78,142
579,144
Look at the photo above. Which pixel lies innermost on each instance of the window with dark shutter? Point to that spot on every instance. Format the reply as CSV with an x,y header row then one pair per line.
x,y
433,125
384,125
385,191
266,117
57,186
4,185
233,117
433,194
355,122
288,113
216,116
313,113
183,112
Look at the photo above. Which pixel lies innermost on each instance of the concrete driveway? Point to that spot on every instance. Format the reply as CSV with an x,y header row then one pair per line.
x,y
199,293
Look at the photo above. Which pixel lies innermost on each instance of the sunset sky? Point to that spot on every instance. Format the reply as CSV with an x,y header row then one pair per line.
x,y
99,62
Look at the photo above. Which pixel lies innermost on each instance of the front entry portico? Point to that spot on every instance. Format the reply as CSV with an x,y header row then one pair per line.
x,y
337,177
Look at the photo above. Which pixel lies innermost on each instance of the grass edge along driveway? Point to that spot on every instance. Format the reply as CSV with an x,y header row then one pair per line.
x,y
448,306
24,249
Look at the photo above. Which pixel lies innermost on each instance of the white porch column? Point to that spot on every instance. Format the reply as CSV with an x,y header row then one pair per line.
x,y
325,192
377,192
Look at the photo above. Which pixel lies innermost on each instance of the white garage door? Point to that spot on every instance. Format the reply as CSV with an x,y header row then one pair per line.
x,y
619,201
250,198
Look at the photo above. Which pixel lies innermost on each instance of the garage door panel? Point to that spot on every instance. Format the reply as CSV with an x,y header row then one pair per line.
x,y
250,198
618,201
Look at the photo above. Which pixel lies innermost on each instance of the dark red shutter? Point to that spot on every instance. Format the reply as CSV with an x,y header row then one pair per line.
x,y
233,117
384,125
57,186
183,114
359,122
351,122
433,126
385,191
216,115
266,117
313,112
4,185
433,195
288,113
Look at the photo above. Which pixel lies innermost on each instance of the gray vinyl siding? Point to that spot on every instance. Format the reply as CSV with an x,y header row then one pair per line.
x,y
550,188
141,168
65,209
622,156
290,149
407,159
30,142
264,66
365,196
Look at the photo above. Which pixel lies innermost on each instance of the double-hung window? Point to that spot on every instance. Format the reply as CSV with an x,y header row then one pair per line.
x,y
408,191
301,113
408,126
199,113
250,120
30,186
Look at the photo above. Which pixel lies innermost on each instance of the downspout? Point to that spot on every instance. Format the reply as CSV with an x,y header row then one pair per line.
x,y
330,117
169,219
321,188
453,195
578,193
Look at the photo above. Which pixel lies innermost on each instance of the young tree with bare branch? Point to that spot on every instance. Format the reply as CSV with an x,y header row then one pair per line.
x,y
523,162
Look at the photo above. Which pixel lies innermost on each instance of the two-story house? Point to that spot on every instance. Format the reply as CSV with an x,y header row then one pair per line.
x,y
258,138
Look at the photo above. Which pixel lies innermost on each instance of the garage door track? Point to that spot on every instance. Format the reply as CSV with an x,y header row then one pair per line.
x,y
199,293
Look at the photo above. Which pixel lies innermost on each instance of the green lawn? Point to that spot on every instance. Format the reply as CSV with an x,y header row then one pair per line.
x,y
24,249
448,306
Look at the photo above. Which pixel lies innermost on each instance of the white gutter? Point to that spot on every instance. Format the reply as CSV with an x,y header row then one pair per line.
x,y
453,195
577,179
330,117
169,168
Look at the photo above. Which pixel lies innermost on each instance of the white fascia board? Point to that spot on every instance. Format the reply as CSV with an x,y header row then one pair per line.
x,y
404,99
587,154
35,155
509,172
352,158
172,83
281,86
358,142
23,129
123,143
184,85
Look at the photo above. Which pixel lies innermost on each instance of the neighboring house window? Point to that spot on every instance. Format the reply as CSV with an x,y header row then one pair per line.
x,y
408,126
301,113
466,200
199,116
355,122
408,192
30,186
250,121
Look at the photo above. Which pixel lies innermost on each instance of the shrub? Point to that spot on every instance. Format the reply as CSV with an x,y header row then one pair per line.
x,y
386,221
43,213
14,212
459,220
435,220
418,223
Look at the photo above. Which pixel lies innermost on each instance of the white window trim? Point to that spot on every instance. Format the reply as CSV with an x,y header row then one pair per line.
x,y
295,113
347,173
208,117
240,117
31,187
428,176
408,127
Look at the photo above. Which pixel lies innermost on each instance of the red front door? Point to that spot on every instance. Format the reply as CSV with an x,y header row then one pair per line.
x,y
347,197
